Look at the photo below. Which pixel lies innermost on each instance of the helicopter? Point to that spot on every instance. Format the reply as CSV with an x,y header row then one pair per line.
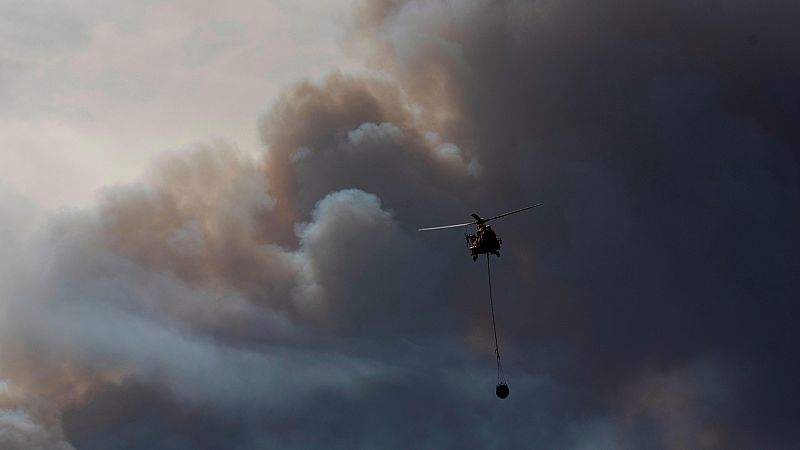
x,y
485,240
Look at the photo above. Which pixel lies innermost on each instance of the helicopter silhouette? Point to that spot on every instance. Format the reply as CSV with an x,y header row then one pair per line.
x,y
485,240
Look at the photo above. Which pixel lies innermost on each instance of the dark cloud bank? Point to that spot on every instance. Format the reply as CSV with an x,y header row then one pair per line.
x,y
290,303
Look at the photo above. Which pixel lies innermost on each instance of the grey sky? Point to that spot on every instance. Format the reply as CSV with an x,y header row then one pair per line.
x,y
280,296
92,91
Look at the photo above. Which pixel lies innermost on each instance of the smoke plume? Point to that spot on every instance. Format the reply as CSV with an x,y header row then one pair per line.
x,y
287,301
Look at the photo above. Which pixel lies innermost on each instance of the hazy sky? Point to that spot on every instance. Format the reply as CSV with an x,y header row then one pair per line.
x,y
92,91
250,275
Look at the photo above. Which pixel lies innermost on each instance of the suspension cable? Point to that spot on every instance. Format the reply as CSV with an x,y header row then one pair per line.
x,y
494,326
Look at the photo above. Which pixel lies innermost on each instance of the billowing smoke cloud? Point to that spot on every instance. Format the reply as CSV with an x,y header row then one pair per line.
x,y
288,302
28,423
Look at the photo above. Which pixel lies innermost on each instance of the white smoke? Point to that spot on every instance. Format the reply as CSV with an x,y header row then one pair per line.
x,y
28,422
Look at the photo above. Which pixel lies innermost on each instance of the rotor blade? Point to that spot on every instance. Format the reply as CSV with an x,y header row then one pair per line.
x,y
512,212
447,226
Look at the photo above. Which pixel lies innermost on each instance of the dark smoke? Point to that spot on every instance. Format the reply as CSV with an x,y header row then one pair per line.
x,y
289,302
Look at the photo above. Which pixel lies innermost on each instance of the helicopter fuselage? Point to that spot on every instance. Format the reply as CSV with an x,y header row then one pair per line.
x,y
485,241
